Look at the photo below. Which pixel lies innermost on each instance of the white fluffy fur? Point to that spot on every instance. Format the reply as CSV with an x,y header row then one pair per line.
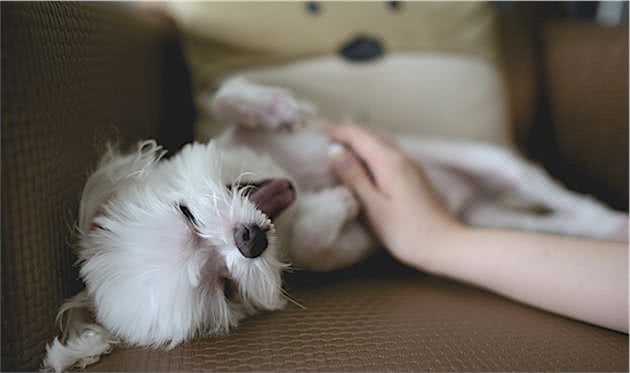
x,y
148,271
142,266
84,341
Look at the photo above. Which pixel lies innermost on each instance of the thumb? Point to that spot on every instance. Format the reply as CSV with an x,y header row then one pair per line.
x,y
352,173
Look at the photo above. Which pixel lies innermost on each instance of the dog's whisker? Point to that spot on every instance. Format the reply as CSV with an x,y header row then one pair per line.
x,y
288,297
237,181
245,188
180,221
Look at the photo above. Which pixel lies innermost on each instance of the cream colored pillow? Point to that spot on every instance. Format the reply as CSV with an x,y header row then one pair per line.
x,y
287,28
415,93
438,77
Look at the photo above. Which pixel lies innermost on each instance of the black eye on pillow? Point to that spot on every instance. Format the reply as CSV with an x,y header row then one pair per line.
x,y
313,7
394,5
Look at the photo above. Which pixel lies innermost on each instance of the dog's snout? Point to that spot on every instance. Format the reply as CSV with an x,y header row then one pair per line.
x,y
250,240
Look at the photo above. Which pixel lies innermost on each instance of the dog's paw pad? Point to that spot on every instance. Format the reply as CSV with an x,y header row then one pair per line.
x,y
244,103
281,111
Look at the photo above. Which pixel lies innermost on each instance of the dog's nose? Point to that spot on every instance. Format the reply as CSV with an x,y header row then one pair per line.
x,y
250,240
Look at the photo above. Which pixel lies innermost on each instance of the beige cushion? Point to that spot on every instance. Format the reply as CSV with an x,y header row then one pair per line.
x,y
415,93
286,28
438,77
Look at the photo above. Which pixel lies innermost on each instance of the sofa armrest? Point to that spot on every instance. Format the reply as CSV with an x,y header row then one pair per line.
x,y
586,66
74,76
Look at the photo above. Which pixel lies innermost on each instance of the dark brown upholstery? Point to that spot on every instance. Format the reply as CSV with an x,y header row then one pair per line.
x,y
73,77
587,73
379,317
76,75
568,89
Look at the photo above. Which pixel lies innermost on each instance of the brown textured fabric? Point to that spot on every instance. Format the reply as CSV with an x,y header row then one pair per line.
x,y
73,77
518,39
587,72
391,319
568,88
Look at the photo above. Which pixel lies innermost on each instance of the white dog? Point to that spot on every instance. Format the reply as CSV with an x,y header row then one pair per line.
x,y
174,248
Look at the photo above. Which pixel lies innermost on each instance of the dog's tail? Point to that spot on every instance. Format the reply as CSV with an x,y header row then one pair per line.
x,y
82,342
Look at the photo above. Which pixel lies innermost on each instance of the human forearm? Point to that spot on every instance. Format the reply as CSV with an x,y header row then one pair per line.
x,y
585,280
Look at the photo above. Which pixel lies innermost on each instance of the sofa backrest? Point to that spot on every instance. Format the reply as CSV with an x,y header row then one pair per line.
x,y
568,87
74,76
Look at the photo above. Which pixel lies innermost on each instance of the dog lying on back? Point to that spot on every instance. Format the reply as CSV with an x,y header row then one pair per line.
x,y
174,248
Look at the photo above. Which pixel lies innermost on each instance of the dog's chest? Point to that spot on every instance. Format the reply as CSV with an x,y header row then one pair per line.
x,y
301,152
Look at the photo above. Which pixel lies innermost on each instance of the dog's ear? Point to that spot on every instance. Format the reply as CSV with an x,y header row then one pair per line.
x,y
113,171
82,342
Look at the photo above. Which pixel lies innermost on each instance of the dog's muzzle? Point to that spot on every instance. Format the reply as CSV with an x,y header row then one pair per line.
x,y
271,197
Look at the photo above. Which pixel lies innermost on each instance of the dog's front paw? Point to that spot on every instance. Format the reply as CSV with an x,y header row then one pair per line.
x,y
281,112
241,102
347,202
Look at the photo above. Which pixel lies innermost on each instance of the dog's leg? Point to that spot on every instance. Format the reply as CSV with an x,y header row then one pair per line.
x,y
243,103
586,218
571,213
497,173
567,213
321,221
493,215
353,244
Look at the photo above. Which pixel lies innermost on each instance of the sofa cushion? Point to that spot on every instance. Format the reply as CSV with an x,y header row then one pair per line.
x,y
379,317
433,70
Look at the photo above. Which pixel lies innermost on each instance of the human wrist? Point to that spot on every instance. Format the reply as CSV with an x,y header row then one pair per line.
x,y
447,237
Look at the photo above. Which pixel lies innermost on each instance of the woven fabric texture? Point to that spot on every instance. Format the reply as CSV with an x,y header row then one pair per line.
x,y
587,68
380,317
73,77
76,75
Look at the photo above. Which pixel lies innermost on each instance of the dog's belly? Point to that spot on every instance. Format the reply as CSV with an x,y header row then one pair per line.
x,y
303,153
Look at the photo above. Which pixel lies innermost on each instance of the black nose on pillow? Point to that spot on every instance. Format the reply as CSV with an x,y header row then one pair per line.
x,y
362,48
250,240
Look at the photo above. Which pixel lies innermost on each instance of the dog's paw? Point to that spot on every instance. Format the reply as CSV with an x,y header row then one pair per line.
x,y
244,103
591,219
348,202
621,232
282,112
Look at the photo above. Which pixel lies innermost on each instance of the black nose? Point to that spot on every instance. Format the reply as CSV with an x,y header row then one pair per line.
x,y
250,240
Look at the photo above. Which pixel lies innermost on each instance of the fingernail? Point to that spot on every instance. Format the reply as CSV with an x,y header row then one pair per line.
x,y
340,156
335,151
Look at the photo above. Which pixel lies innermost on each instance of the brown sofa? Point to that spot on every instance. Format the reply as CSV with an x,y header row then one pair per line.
x,y
76,75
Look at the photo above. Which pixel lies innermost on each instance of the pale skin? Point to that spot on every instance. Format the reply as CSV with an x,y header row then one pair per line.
x,y
581,279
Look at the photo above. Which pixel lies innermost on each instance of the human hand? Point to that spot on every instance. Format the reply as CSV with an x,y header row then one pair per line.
x,y
541,270
403,210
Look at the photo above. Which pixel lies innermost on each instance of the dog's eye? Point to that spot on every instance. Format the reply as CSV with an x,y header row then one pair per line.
x,y
186,212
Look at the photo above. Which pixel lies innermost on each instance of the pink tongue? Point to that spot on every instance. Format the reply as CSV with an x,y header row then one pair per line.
x,y
273,196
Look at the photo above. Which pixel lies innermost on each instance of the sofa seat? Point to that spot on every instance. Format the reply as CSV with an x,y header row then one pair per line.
x,y
380,317
75,75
